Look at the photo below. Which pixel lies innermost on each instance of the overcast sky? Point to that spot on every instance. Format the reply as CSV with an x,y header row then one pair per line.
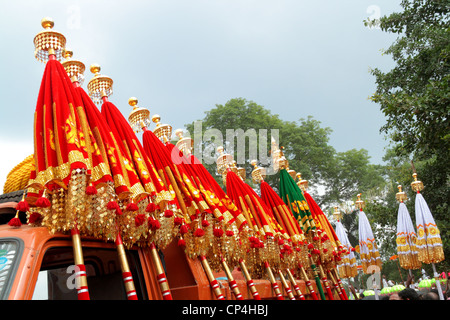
x,y
181,57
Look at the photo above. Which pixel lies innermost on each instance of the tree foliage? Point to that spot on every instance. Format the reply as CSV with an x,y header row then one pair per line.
x,y
415,98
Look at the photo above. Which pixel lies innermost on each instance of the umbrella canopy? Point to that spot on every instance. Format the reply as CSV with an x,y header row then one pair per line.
x,y
293,197
150,196
429,243
63,159
406,236
102,220
368,249
201,218
347,266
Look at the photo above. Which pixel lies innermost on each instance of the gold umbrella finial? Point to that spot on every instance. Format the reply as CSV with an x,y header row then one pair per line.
x,y
337,214
74,68
185,145
417,185
303,184
100,86
162,131
258,173
241,173
400,195
224,161
139,118
48,42
360,204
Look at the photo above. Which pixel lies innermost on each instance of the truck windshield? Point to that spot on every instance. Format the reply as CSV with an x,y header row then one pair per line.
x,y
9,255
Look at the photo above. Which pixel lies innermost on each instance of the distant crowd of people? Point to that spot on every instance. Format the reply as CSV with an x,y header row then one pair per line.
x,y
410,292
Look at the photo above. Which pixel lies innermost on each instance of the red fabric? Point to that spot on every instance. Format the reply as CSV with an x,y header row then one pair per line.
x,y
57,127
162,158
207,185
236,189
104,141
273,200
315,210
139,162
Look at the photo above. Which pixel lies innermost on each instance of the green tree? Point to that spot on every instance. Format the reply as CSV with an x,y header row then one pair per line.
x,y
305,142
415,98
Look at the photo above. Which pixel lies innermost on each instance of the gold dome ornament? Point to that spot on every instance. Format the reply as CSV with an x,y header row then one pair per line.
x,y
74,68
360,204
258,173
303,184
100,86
401,195
337,214
417,185
139,118
162,131
184,144
49,42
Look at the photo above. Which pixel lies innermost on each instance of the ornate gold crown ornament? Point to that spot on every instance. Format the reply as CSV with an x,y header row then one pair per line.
x,y
162,131
360,204
100,85
417,185
224,161
303,184
258,173
74,68
139,118
400,195
49,42
184,144
337,214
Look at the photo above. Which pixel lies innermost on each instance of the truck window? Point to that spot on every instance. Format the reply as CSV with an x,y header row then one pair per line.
x,y
56,280
10,250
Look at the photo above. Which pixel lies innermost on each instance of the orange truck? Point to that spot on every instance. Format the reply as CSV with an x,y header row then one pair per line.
x,y
38,265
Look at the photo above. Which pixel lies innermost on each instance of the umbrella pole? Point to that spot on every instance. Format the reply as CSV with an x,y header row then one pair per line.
x,y
81,278
274,283
126,274
161,275
336,285
233,285
308,283
340,284
295,285
438,282
286,285
212,280
325,282
250,283
317,278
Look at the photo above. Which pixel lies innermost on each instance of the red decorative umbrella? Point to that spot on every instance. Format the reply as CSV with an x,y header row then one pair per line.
x,y
62,163
151,202
103,222
235,221
292,257
264,251
203,219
